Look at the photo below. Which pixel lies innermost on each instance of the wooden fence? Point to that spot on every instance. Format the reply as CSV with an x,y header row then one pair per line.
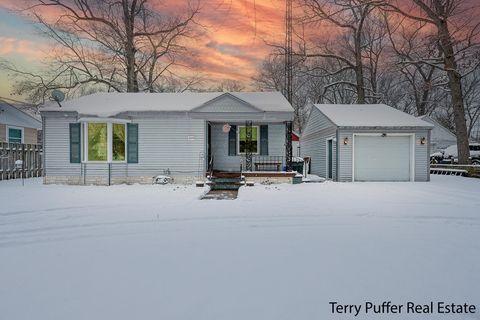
x,y
30,154
456,169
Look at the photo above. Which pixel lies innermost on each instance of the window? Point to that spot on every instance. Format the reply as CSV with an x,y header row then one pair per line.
x,y
105,141
242,140
118,142
15,135
97,142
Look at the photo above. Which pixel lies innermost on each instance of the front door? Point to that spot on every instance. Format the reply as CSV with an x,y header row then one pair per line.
x,y
330,158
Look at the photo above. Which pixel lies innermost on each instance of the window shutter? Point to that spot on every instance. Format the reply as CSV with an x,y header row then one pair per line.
x,y
132,142
232,141
264,140
75,143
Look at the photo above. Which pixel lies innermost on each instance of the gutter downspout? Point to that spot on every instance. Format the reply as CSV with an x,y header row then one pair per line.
x,y
337,151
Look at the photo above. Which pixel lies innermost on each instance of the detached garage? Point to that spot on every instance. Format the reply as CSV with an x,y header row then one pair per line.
x,y
366,143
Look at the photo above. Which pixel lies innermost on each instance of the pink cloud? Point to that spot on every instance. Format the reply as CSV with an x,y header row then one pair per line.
x,y
28,49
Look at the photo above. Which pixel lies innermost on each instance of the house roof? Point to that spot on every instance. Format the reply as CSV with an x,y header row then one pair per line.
x,y
440,131
14,116
110,104
369,115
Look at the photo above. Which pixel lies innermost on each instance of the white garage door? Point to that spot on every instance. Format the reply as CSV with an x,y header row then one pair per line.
x,y
379,158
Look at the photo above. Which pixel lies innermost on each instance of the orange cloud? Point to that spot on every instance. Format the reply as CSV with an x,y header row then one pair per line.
x,y
31,50
231,47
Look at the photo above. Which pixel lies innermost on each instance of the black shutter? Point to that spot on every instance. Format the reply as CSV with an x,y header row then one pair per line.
x,y
232,141
132,142
75,143
264,140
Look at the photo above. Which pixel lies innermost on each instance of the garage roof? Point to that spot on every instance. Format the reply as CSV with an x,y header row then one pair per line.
x,y
110,104
369,115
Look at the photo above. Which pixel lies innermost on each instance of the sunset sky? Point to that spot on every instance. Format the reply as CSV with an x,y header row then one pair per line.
x,y
231,48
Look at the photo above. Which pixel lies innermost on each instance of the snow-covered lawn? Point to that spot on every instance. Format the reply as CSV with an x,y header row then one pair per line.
x,y
277,252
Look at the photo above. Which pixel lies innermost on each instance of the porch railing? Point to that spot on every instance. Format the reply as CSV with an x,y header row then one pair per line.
x,y
266,163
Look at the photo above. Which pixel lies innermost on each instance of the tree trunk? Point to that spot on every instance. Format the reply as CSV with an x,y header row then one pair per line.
x,y
455,84
360,82
132,83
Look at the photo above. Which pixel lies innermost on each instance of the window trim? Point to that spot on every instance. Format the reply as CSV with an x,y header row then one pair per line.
x,y
258,140
7,134
84,141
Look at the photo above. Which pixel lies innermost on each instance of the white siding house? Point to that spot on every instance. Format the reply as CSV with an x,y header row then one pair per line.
x,y
366,143
441,137
109,138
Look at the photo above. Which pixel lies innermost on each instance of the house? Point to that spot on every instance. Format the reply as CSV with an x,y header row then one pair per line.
x,y
17,126
441,137
109,138
366,143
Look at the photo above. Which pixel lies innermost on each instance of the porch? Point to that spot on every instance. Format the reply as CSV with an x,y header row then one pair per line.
x,y
260,148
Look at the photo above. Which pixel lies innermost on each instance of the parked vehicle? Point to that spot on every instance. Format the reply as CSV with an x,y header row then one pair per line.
x,y
450,155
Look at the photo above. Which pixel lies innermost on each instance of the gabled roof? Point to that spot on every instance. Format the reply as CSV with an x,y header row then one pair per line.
x,y
369,115
14,116
440,130
111,104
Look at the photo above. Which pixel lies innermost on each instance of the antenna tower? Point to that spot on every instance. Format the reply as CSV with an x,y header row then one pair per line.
x,y
288,51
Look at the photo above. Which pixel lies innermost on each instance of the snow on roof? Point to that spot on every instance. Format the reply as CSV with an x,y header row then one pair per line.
x,y
110,104
369,115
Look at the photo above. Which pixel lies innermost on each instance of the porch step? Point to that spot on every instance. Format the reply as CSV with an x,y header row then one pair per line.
x,y
225,183
224,174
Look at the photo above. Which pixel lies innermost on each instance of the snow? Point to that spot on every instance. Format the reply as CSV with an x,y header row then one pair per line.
x,y
111,104
277,252
369,115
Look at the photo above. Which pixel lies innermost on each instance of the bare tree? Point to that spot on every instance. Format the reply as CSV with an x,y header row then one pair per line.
x,y
458,44
121,45
349,48
271,77
409,45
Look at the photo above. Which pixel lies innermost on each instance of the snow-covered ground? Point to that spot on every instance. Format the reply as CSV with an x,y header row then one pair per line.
x,y
277,252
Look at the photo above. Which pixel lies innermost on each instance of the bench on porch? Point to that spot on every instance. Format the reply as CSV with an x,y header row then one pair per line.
x,y
267,163
259,165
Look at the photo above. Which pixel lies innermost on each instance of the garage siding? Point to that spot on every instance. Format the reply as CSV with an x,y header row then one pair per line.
x,y
313,142
422,157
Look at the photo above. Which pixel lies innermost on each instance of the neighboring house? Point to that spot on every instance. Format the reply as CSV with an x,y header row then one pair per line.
x,y
366,143
109,138
17,126
441,137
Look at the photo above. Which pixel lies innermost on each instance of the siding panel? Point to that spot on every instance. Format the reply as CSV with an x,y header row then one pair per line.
x,y
314,142
165,145
57,148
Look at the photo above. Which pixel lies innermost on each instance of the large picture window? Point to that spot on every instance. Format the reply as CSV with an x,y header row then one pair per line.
x,y
97,142
242,140
105,141
118,142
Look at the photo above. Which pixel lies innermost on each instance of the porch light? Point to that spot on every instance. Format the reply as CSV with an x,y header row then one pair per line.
x,y
345,140
423,140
